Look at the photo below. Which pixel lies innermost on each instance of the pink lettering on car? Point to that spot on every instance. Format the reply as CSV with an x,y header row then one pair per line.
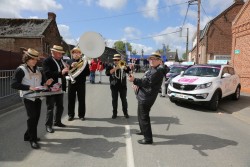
x,y
187,80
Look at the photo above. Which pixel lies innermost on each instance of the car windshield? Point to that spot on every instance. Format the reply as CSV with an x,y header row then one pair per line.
x,y
203,71
177,69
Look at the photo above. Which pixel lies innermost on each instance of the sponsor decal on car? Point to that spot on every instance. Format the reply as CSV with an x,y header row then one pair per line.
x,y
187,80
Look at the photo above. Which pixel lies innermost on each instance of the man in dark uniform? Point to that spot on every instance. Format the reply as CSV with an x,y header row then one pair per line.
x,y
146,90
79,86
118,85
54,67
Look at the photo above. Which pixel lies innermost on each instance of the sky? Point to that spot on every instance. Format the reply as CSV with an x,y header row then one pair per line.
x,y
145,24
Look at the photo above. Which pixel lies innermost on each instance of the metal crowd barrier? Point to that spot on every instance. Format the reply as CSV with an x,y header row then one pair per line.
x,y
5,80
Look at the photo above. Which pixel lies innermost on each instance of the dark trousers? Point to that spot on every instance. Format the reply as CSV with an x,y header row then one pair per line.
x,y
51,101
123,95
33,109
144,120
78,89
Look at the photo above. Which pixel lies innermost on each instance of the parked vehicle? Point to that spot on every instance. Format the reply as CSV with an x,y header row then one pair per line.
x,y
174,71
205,84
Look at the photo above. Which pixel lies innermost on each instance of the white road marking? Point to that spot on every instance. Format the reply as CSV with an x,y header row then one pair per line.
x,y
129,148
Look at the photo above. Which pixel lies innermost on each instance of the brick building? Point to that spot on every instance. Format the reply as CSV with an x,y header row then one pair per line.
x,y
216,38
240,45
40,34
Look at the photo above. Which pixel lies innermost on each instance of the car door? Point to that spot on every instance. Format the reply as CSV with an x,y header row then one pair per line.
x,y
225,81
233,81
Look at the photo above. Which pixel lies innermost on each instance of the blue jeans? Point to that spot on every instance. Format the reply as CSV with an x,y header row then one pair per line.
x,y
92,77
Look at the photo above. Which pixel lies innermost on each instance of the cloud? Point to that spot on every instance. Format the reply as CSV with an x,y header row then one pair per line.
x,y
151,8
135,46
14,8
131,33
111,4
174,39
65,33
138,47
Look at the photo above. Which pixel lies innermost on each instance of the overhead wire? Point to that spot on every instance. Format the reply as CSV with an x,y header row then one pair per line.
x,y
153,36
126,14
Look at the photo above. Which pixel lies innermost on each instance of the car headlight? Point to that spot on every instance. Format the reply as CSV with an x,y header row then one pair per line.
x,y
203,86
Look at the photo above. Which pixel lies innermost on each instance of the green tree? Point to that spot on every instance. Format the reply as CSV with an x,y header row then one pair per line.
x,y
134,52
184,56
120,45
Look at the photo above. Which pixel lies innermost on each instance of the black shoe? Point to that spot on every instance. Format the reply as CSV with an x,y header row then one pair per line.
x,y
162,96
70,119
49,129
28,139
139,133
144,141
59,124
83,119
126,116
114,116
34,145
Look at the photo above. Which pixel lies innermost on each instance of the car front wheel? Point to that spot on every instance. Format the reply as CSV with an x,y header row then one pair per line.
x,y
214,102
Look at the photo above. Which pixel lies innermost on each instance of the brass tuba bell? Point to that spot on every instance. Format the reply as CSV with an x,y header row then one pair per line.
x,y
92,45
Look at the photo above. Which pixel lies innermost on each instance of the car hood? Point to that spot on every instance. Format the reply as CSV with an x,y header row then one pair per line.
x,y
193,80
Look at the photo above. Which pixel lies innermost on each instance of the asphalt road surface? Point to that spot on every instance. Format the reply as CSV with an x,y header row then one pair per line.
x,y
184,136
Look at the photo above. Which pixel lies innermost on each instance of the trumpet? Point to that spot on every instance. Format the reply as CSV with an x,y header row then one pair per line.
x,y
122,64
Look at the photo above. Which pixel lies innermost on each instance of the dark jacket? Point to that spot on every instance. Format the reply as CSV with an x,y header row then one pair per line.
x,y
81,78
50,70
115,79
149,85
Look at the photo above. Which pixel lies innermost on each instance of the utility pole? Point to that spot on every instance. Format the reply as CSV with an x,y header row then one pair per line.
x,y
187,44
186,41
198,34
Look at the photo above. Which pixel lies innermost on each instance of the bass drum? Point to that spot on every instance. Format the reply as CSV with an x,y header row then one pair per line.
x,y
92,44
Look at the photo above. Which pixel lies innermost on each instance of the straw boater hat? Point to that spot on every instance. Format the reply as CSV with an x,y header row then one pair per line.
x,y
32,53
76,49
117,56
57,48
155,55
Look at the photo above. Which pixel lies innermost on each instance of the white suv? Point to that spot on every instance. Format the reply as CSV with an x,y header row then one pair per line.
x,y
205,84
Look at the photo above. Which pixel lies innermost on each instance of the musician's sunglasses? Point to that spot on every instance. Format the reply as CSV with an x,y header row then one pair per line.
x,y
116,60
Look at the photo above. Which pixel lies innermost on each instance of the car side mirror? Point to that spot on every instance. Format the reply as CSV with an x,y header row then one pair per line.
x,y
181,74
226,75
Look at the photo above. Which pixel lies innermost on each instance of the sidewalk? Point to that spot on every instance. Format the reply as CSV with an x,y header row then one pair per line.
x,y
10,103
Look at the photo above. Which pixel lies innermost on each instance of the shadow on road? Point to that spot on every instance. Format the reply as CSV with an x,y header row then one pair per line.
x,y
226,105
133,120
200,142
95,147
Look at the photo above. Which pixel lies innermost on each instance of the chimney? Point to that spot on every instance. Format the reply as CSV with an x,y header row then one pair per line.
x,y
51,15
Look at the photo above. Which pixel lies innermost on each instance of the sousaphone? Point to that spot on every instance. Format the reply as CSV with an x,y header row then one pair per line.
x,y
92,45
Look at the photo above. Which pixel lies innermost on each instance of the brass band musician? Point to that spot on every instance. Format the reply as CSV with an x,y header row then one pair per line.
x,y
55,68
78,87
28,78
118,84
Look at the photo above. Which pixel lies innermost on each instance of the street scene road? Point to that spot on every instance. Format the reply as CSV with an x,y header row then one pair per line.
x,y
184,135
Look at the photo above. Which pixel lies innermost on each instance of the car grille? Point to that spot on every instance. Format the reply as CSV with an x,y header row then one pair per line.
x,y
183,86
